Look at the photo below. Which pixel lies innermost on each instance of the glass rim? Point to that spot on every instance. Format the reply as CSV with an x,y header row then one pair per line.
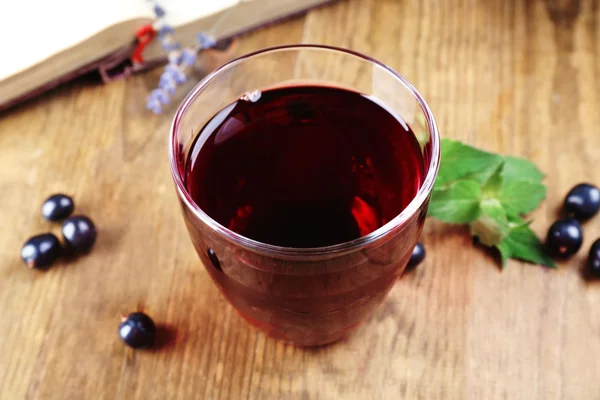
x,y
338,248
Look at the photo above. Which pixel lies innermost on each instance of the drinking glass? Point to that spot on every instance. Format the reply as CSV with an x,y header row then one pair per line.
x,y
306,296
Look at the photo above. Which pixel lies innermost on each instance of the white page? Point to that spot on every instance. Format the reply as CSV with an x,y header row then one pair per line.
x,y
31,31
180,12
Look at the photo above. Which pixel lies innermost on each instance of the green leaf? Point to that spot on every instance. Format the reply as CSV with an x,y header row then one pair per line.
x,y
522,197
459,161
493,185
484,174
522,243
458,203
490,193
491,227
505,253
515,222
519,169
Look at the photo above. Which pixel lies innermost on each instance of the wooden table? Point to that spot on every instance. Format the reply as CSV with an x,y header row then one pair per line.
x,y
514,76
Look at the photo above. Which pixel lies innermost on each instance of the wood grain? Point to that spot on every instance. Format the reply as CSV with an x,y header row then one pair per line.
x,y
515,76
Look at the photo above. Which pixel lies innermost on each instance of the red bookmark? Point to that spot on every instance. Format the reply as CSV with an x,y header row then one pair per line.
x,y
144,35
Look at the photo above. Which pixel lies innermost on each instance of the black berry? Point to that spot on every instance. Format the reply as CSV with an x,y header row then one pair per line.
x,y
79,233
137,330
594,258
417,256
212,256
57,207
565,237
41,251
582,202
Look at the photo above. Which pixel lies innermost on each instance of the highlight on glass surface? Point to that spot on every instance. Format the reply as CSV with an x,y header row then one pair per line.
x,y
304,174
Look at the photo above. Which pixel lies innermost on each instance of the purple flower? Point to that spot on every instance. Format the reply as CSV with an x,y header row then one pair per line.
x,y
188,57
175,73
165,30
205,41
168,44
159,11
160,95
154,105
167,83
175,57
179,61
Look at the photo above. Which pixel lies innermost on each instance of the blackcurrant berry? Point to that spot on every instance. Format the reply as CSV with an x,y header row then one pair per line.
x,y
565,237
137,330
417,256
582,202
57,207
79,234
594,258
41,251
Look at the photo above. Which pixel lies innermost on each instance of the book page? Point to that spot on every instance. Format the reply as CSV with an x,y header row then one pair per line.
x,y
181,12
33,30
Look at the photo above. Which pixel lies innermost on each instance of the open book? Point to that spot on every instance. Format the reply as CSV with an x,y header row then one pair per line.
x,y
48,42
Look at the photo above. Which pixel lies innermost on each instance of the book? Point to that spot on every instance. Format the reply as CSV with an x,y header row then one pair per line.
x,y
47,43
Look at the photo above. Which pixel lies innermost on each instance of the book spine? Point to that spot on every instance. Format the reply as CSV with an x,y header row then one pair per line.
x,y
117,65
110,68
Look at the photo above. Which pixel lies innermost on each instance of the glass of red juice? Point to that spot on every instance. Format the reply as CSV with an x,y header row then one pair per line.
x,y
304,175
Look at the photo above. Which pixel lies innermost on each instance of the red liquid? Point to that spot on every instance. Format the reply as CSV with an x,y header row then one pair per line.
x,y
304,167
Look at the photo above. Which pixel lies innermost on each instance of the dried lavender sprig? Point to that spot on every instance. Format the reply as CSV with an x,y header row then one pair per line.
x,y
180,62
